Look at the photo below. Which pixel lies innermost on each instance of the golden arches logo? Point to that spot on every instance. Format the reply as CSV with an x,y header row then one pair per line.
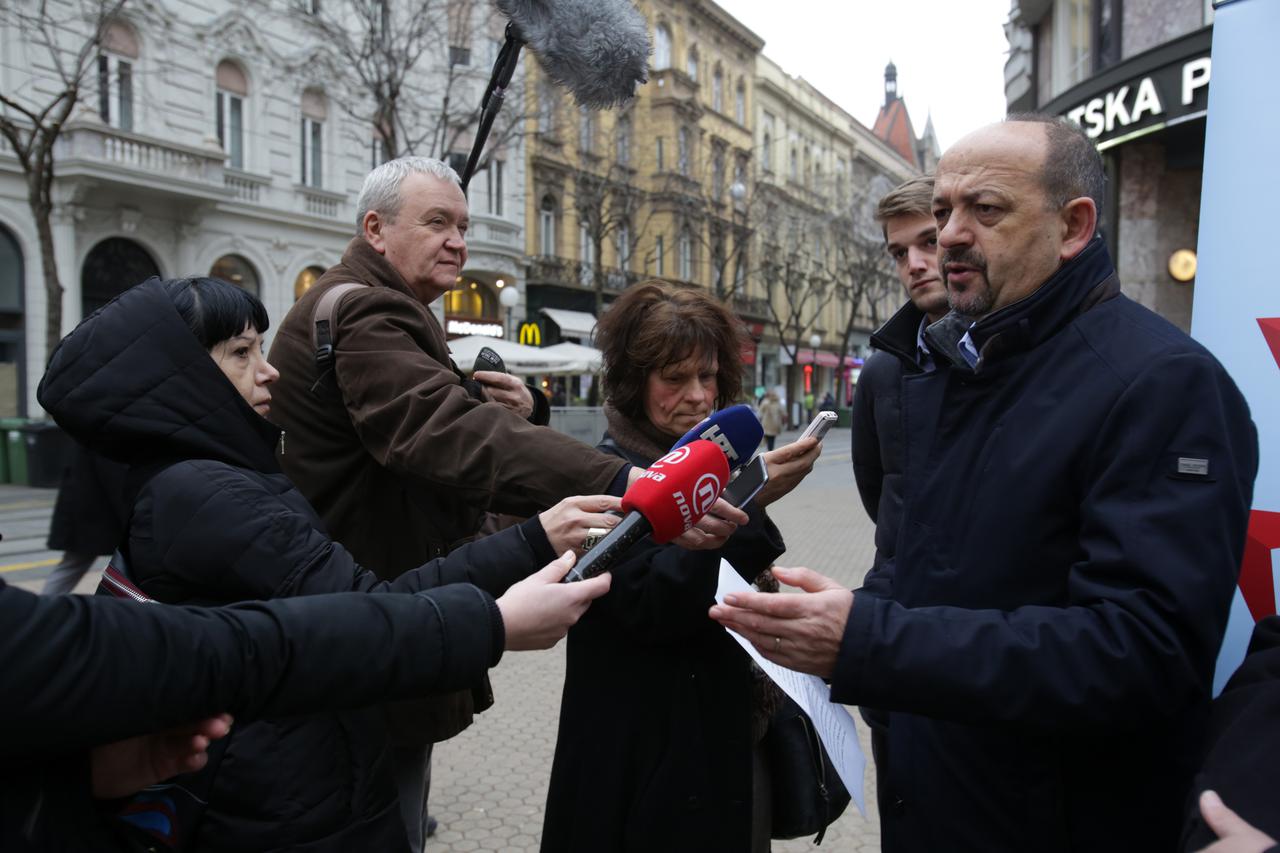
x,y
531,334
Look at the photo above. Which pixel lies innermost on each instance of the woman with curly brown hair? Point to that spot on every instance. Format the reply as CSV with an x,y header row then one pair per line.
x,y
661,709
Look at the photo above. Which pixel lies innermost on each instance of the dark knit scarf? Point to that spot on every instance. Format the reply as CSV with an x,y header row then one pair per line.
x,y
645,441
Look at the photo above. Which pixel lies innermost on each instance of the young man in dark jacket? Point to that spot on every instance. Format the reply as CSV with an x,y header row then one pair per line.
x,y
1077,482
911,239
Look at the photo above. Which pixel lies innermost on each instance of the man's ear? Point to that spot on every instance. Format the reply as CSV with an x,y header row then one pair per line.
x,y
1079,221
371,229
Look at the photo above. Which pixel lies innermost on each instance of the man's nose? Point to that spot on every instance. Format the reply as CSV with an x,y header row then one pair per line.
x,y
918,258
955,232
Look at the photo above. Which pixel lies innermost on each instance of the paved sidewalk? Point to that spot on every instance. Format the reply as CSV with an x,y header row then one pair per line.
x,y
489,784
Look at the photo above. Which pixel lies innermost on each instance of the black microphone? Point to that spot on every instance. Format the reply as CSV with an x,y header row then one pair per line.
x,y
597,49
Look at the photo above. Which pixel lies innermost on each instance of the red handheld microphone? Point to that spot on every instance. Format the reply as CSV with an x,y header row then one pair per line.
x,y
667,500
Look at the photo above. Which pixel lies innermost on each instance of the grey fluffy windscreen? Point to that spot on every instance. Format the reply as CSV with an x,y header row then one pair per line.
x,y
597,49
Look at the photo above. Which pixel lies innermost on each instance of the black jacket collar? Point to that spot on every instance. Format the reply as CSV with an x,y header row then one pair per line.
x,y
898,335
1078,285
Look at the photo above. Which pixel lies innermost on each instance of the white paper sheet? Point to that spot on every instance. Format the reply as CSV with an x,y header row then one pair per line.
x,y
836,728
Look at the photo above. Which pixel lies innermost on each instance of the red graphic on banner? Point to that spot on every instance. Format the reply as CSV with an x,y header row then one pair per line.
x,y
1257,580
1271,331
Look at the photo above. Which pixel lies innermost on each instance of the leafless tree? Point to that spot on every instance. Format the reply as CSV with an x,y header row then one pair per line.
x,y
797,275
421,67
863,277
32,118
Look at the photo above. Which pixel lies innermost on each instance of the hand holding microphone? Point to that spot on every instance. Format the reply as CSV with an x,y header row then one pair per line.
x,y
673,494
539,610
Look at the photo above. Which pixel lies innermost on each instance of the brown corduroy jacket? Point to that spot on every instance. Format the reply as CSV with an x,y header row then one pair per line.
x,y
390,448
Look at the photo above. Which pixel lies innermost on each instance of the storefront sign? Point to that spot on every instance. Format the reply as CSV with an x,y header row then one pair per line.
x,y
1145,93
468,327
531,334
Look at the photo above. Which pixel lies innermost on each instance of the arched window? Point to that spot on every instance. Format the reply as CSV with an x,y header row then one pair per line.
x,y
305,280
717,90
474,300
661,47
238,271
112,267
229,112
115,75
691,66
315,109
547,226
740,103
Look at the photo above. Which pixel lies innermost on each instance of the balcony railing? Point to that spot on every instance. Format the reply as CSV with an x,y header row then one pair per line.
x,y
244,186
93,143
323,203
551,269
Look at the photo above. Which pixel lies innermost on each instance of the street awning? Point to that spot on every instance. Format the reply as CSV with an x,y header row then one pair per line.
x,y
581,359
519,359
573,324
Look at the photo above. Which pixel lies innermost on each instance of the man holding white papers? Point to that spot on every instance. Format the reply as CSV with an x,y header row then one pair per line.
x,y
1077,480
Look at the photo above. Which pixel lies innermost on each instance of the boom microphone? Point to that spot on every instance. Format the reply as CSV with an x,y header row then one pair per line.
x,y
671,496
736,430
597,49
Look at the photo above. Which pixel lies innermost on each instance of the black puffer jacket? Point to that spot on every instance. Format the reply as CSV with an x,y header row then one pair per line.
x,y
655,743
216,522
877,429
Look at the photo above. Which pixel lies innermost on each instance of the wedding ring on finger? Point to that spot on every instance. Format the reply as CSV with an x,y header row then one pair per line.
x,y
593,537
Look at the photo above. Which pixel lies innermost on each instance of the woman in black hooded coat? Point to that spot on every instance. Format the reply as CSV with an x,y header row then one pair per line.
x,y
215,521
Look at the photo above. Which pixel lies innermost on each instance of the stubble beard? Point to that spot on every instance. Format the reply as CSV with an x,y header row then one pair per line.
x,y
977,300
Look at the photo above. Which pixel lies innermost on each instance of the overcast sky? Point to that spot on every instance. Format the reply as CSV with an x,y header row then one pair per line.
x,y
950,54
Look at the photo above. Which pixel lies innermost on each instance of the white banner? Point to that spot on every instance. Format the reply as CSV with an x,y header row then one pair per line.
x,y
1236,313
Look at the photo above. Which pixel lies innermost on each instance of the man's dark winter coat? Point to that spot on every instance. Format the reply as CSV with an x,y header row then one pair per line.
x,y
1073,520
655,744
877,425
215,522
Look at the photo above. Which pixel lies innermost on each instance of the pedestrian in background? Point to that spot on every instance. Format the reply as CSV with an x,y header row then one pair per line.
x,y
88,517
771,418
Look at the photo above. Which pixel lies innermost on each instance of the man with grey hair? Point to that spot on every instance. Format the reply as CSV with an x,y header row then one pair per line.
x,y
398,452
1077,476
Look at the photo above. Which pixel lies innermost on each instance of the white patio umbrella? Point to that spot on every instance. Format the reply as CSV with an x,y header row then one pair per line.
x,y
519,359
582,359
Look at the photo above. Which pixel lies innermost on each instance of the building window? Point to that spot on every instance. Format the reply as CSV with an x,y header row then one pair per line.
x,y
622,139
766,148
793,167
547,226
305,280
112,267
660,256
546,107
233,88
691,67
311,162
682,152
236,270
488,184
115,76
623,246
717,172
686,254
661,47
586,131
740,104
377,151
311,7
1070,33
659,155
717,90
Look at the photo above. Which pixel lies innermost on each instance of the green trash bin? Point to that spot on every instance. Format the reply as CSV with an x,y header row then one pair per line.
x,y
15,450
844,418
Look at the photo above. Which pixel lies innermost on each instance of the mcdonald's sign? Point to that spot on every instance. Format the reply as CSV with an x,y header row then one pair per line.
x,y
531,334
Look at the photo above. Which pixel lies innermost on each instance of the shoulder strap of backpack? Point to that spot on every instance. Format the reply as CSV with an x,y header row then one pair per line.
x,y
324,328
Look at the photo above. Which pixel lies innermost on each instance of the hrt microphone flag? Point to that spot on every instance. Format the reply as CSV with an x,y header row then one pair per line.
x,y
735,430
668,499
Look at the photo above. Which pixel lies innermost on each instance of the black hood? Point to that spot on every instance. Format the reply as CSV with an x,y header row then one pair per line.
x,y
133,383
